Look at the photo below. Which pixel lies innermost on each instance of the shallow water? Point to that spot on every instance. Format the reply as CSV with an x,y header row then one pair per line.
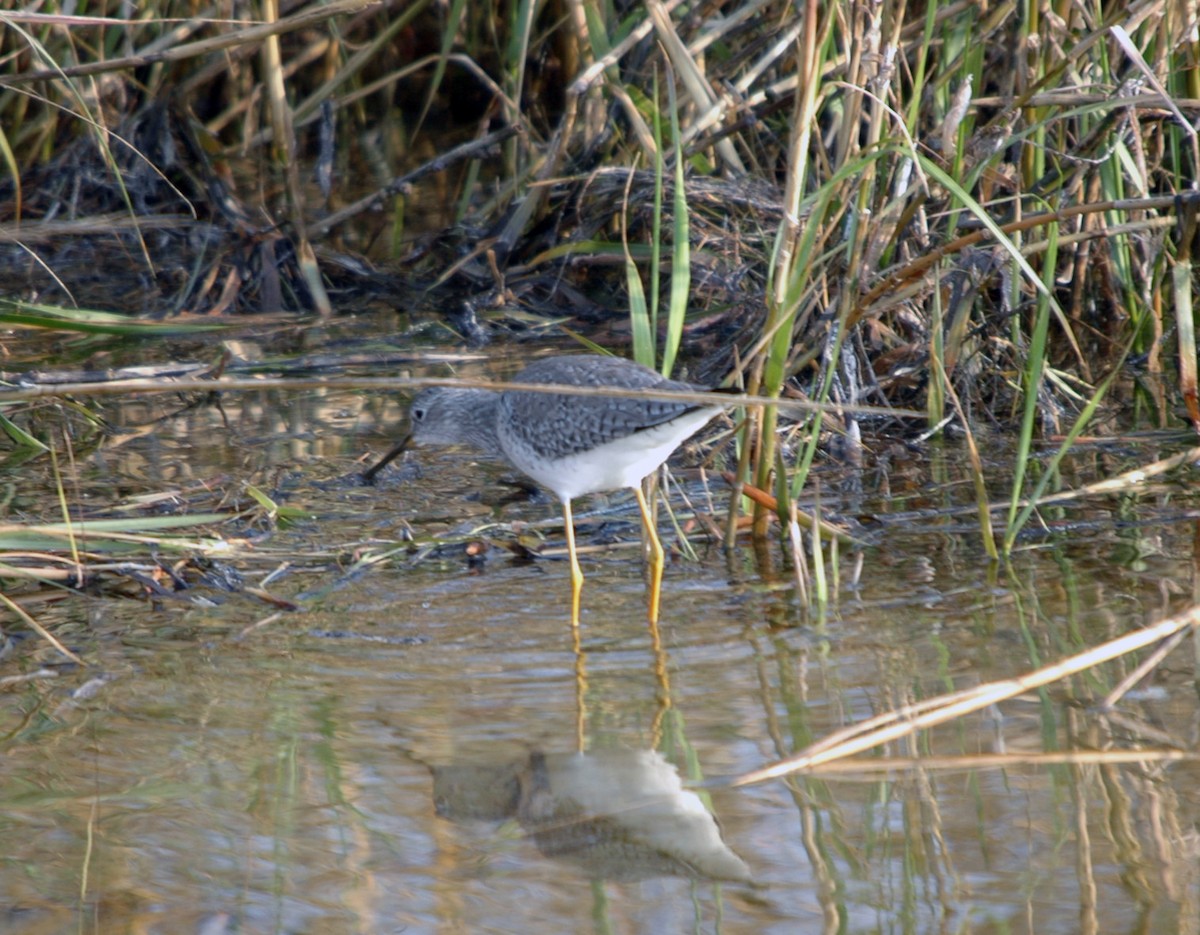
x,y
423,747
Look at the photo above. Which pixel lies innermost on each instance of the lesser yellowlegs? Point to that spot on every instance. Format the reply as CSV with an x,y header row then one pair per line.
x,y
571,445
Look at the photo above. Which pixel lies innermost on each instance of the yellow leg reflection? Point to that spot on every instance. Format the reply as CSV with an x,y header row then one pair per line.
x,y
661,676
656,554
580,692
662,680
576,572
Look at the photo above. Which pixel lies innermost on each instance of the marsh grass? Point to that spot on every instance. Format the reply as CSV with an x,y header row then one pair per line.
x,y
965,212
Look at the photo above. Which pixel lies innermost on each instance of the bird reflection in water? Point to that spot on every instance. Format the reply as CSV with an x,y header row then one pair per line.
x,y
616,814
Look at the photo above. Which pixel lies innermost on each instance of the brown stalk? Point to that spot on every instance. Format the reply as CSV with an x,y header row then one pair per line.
x,y
909,719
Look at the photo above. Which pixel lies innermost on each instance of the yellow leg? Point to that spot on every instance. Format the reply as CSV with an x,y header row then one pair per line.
x,y
576,572
656,553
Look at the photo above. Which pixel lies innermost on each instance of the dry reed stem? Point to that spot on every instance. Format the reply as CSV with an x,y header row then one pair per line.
x,y
38,628
933,711
231,384
869,767
248,36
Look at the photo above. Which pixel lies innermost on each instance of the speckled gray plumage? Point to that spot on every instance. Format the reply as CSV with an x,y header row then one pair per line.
x,y
443,415
536,432
554,426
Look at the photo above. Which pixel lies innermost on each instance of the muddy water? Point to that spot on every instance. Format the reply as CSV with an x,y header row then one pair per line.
x,y
424,747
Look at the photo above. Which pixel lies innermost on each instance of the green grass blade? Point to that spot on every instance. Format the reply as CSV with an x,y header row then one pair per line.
x,y
656,219
639,316
1035,365
113,535
19,435
449,36
15,313
681,257
14,171
981,214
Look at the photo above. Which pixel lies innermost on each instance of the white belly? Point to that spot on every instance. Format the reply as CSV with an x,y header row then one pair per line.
x,y
623,462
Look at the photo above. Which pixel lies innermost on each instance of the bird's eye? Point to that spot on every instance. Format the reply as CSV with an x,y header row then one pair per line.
x,y
418,414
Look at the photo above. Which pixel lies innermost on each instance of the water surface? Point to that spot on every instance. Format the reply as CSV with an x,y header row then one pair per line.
x,y
423,746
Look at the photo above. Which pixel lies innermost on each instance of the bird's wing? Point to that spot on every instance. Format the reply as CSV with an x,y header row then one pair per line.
x,y
557,425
